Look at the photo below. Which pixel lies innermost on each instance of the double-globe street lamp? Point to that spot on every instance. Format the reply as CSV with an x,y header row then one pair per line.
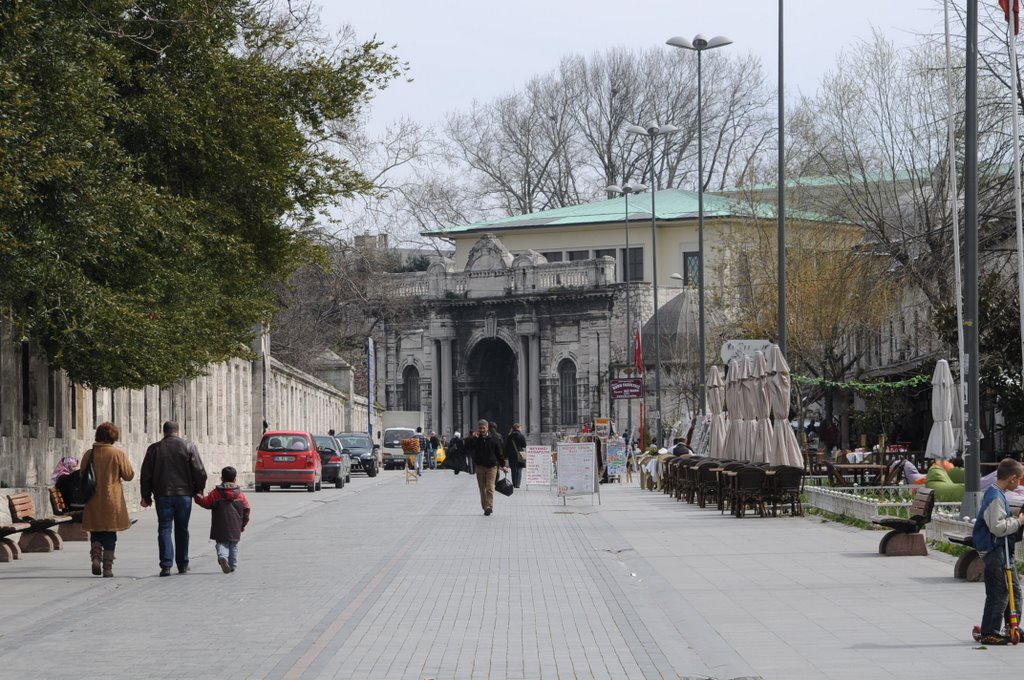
x,y
626,190
698,45
652,130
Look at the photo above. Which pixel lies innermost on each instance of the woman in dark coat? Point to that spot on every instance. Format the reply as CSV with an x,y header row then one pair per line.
x,y
455,455
515,446
106,512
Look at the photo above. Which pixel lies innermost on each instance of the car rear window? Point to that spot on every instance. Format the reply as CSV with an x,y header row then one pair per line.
x,y
284,442
356,442
325,442
394,437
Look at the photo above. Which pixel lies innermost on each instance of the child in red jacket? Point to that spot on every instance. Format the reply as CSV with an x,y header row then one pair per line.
x,y
230,515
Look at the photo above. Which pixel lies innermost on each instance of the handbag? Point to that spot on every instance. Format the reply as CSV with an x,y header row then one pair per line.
x,y
87,484
503,485
521,456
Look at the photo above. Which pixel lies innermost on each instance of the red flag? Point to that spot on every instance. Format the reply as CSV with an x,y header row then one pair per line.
x,y
638,353
1005,5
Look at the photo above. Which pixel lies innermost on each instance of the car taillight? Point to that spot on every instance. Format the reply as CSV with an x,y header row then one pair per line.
x,y
334,459
259,460
309,461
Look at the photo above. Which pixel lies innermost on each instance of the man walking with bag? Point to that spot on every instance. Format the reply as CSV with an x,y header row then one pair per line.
x,y
172,472
488,456
516,451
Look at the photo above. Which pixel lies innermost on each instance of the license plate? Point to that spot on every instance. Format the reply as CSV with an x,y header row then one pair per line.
x,y
284,459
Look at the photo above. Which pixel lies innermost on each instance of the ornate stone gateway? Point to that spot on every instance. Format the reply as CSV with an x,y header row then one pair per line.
x,y
499,339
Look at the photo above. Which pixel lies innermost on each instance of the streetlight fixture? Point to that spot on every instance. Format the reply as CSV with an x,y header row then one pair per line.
x,y
626,190
698,45
652,130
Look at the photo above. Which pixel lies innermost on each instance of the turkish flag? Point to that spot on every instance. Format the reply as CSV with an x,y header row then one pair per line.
x,y
1005,5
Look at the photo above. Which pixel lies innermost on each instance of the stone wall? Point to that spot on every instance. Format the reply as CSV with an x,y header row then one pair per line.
x,y
44,417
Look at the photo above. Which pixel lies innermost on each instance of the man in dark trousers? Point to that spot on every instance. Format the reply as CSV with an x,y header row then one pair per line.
x,y
172,472
516,447
488,456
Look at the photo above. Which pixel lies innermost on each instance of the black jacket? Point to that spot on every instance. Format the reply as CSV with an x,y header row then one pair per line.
x,y
172,467
516,444
486,451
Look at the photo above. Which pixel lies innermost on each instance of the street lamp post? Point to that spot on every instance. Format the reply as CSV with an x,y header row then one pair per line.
x,y
652,130
626,190
698,45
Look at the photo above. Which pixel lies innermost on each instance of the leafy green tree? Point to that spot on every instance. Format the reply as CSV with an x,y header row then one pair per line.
x,y
157,162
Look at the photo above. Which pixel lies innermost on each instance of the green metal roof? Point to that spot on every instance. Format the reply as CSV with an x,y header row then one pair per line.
x,y
669,204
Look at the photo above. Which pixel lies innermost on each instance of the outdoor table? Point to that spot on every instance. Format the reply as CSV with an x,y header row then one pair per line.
x,y
861,472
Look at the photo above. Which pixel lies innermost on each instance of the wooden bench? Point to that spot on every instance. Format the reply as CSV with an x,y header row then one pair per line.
x,y
970,566
37,534
70,530
904,536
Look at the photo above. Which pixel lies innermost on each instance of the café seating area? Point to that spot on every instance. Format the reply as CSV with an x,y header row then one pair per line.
x,y
737,487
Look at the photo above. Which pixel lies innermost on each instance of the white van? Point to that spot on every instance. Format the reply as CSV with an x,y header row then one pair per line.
x,y
391,446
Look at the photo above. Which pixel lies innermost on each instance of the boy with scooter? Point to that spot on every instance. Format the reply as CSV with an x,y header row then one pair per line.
x,y
994,537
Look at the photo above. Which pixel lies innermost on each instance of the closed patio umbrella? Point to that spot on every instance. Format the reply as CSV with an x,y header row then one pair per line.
x,y
732,402
716,403
744,423
785,449
760,410
941,442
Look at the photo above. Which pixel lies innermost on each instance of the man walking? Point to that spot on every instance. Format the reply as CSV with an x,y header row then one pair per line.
x,y
488,456
172,472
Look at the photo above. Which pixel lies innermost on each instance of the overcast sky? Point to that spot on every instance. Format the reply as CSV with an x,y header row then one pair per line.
x,y
461,50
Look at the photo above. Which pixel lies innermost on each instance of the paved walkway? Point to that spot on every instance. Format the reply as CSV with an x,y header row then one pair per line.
x,y
387,580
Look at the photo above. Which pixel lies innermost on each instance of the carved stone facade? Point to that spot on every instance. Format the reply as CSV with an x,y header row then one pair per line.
x,y
508,339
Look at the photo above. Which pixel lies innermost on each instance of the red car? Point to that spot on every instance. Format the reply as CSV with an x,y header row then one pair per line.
x,y
287,458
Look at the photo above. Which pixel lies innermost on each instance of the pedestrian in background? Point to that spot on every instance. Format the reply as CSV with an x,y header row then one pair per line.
x,y
424,449
106,512
515,453
172,472
487,454
230,515
435,446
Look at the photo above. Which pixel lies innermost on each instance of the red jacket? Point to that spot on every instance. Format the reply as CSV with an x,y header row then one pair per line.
x,y
230,511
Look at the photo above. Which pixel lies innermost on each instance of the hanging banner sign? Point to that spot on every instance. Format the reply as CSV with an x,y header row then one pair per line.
x,y
627,388
602,427
577,473
538,465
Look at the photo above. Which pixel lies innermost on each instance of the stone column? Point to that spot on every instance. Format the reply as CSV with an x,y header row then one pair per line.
x,y
522,374
435,388
447,405
535,424
467,416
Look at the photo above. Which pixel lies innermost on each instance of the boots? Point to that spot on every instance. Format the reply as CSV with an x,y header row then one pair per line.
x,y
108,563
96,555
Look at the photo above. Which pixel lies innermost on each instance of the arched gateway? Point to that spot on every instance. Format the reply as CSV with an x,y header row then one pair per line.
x,y
490,340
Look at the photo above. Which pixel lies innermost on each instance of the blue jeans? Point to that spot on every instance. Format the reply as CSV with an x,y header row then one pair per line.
x,y
174,510
229,551
997,598
419,462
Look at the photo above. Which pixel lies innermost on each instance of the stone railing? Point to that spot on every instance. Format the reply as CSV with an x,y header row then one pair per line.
x,y
556,276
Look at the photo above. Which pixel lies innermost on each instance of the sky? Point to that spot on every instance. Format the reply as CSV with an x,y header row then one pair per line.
x,y
461,50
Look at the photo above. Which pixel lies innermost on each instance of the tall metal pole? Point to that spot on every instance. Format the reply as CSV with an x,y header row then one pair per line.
x,y
654,278
972,450
701,404
782,196
629,313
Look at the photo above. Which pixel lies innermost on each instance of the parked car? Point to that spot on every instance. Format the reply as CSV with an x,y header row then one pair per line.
x,y
394,457
336,462
284,458
362,451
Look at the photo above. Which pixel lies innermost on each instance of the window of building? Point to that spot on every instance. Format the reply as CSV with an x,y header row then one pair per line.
x,y
604,252
632,264
691,268
567,392
578,255
411,389
553,256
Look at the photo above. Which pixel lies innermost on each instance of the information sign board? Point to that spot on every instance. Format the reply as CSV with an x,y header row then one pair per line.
x,y
577,474
538,465
615,459
627,388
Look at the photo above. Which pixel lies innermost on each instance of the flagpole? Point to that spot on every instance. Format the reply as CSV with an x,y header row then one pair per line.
x,y
1011,39
955,227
